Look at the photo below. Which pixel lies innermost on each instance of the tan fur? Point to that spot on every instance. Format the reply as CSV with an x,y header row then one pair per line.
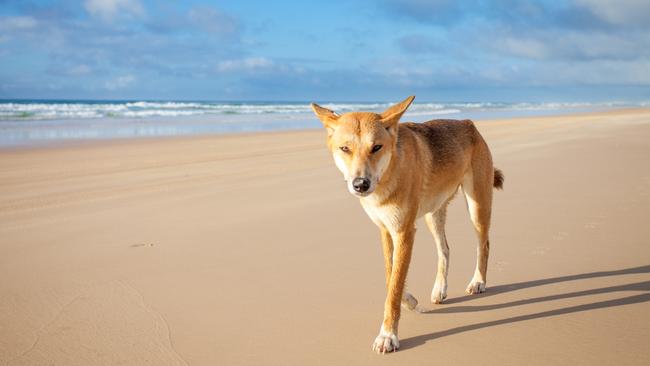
x,y
416,172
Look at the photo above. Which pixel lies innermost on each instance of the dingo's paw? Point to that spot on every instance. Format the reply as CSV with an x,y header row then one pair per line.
x,y
409,301
439,293
475,287
385,343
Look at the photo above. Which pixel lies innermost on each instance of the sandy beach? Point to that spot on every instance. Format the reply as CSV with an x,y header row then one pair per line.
x,y
248,250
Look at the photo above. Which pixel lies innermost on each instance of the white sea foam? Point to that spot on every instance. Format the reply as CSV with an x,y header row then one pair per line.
x,y
30,122
55,110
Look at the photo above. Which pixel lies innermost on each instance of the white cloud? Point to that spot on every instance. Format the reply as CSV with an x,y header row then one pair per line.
x,y
120,83
524,47
212,20
246,64
571,45
108,10
79,70
619,12
14,23
592,72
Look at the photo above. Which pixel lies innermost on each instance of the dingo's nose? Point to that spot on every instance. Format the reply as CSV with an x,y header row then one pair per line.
x,y
361,184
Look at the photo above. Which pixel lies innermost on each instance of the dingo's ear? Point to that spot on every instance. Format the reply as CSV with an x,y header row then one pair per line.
x,y
391,116
329,118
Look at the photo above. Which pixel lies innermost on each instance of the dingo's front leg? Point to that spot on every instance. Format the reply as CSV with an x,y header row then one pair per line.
x,y
387,340
408,301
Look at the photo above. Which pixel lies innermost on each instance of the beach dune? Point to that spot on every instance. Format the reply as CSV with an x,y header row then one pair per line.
x,y
247,250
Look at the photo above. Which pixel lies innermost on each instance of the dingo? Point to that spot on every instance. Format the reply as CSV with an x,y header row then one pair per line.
x,y
402,171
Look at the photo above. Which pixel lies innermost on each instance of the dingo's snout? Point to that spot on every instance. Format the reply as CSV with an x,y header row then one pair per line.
x,y
361,185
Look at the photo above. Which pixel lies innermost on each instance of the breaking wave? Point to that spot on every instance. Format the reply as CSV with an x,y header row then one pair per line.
x,y
16,110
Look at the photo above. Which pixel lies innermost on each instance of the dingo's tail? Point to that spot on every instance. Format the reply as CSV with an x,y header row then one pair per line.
x,y
498,178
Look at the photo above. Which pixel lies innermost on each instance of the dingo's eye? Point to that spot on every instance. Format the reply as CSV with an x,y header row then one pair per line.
x,y
376,148
345,149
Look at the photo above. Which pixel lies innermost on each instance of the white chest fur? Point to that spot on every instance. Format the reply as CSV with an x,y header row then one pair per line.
x,y
386,215
391,215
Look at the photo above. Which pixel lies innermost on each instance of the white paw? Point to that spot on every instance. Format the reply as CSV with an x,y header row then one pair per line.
x,y
475,287
439,293
385,342
409,301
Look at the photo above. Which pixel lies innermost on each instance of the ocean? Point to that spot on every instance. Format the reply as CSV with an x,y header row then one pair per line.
x,y
32,122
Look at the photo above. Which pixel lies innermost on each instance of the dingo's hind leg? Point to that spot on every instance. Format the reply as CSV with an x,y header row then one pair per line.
x,y
477,187
436,223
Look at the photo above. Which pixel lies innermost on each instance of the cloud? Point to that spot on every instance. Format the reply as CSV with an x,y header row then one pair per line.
x,y
203,19
420,43
79,70
15,26
17,23
527,31
620,12
108,10
248,64
524,14
120,82
524,47
592,73
572,45
212,20
437,11
63,41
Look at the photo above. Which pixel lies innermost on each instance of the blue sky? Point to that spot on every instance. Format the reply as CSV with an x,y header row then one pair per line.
x,y
511,50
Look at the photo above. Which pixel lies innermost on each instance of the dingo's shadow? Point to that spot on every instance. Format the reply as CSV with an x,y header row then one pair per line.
x,y
643,287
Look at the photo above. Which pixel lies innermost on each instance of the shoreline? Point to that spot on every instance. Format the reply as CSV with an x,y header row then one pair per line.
x,y
78,142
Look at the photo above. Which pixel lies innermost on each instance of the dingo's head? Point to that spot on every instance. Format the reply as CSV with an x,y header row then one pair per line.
x,y
362,143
